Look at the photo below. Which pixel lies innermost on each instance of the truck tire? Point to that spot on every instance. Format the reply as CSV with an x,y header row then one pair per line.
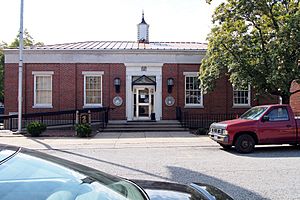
x,y
244,144
226,147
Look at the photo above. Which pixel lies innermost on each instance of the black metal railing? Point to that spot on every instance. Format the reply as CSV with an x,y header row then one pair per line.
x,y
59,118
191,120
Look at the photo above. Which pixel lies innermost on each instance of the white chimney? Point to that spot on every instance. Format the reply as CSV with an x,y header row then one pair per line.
x,y
143,31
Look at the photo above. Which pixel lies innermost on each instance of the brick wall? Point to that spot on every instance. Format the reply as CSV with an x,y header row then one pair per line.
x,y
67,86
68,89
219,101
11,87
295,98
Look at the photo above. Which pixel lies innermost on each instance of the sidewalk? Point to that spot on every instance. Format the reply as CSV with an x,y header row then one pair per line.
x,y
109,140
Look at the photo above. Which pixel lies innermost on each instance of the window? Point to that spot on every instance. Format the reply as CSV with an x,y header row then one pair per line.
x,y
241,97
193,93
279,114
92,88
42,89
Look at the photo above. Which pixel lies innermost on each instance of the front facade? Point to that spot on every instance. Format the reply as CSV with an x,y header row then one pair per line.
x,y
140,80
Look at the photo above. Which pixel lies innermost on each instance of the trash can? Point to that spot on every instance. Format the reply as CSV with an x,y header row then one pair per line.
x,y
152,116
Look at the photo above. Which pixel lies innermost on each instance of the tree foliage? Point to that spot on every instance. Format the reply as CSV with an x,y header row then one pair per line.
x,y
28,41
254,42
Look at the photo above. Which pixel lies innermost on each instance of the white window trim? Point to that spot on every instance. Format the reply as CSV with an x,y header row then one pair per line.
x,y
191,74
97,74
93,73
248,105
46,74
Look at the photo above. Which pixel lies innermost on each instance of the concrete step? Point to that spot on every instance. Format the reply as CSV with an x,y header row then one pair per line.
x,y
143,125
163,122
149,129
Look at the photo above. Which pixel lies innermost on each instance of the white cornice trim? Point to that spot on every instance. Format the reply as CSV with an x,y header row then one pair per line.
x,y
143,64
106,56
109,51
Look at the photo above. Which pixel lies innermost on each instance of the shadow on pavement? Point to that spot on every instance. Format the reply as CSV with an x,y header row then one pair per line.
x,y
181,175
270,152
114,164
42,143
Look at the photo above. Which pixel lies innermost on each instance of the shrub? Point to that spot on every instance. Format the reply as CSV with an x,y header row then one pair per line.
x,y
83,130
36,128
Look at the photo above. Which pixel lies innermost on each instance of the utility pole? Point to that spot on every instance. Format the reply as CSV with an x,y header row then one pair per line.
x,y
20,69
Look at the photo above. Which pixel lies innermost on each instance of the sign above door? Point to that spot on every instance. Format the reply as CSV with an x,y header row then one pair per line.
x,y
143,80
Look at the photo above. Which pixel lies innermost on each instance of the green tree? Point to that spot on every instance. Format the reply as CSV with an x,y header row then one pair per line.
x,y
254,42
27,41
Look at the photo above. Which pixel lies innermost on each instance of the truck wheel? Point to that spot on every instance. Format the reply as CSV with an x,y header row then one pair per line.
x,y
226,147
244,144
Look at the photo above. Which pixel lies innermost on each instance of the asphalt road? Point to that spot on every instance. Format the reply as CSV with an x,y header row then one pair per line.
x,y
270,173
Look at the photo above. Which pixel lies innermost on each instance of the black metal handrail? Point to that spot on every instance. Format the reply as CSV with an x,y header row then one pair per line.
x,y
58,118
191,120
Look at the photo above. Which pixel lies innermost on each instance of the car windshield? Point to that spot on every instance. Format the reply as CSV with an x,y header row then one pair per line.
x,y
254,113
30,177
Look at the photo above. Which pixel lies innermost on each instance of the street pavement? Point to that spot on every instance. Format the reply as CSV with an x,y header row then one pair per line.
x,y
270,172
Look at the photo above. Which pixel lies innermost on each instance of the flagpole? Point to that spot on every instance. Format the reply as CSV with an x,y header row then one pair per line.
x,y
20,69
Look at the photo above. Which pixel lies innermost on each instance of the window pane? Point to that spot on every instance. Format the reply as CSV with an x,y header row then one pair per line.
x,y
240,96
278,114
192,90
93,89
43,90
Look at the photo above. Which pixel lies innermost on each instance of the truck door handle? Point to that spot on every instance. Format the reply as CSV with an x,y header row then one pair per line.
x,y
288,126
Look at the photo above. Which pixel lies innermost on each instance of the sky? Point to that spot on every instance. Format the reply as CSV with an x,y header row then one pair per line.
x,y
63,21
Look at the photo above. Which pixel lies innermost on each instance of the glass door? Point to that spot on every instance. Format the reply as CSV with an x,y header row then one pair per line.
x,y
143,102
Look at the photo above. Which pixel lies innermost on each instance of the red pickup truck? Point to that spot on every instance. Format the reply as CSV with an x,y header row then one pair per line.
x,y
267,124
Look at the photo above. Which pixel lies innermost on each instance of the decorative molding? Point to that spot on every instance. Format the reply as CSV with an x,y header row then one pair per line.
x,y
169,101
91,56
143,64
190,73
42,72
117,101
93,73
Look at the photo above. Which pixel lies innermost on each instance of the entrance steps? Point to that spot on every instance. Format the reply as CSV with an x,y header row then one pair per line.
x,y
144,126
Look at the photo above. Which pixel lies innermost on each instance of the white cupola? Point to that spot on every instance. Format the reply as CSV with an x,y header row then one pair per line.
x,y
143,31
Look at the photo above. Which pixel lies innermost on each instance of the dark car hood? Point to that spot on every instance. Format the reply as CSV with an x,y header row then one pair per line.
x,y
173,191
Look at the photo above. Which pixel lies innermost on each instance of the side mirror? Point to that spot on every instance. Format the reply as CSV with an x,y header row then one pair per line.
x,y
265,118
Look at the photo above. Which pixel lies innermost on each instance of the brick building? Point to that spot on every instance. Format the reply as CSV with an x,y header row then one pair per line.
x,y
139,79
295,98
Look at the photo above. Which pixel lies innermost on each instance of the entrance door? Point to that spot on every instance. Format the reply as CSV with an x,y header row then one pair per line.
x,y
143,102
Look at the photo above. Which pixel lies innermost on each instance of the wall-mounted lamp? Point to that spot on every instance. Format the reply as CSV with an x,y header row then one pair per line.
x,y
170,84
117,83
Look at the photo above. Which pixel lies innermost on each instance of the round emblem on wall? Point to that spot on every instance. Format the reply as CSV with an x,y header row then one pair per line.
x,y
169,101
117,101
